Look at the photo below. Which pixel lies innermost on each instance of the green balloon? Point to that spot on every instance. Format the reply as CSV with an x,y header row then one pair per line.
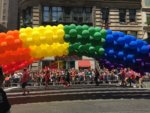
x,y
97,36
91,31
91,50
71,48
85,27
81,48
79,29
67,37
103,40
76,45
101,51
79,38
73,33
97,48
103,33
97,29
87,46
85,33
91,38
66,29
72,26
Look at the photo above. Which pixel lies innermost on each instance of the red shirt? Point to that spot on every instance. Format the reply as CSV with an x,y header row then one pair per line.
x,y
47,76
25,77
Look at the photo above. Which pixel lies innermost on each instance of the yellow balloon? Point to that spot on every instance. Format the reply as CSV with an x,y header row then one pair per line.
x,y
55,38
60,33
23,36
28,30
54,29
48,27
41,29
43,39
48,33
29,41
22,30
35,34
60,26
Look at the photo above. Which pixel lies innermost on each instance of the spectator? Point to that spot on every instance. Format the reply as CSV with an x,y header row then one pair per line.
x,y
24,81
4,104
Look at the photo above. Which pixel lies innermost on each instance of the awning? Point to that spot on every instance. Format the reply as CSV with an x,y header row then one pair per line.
x,y
84,63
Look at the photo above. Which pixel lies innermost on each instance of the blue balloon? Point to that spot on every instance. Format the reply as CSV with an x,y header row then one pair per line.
x,y
144,49
130,57
145,43
115,43
126,46
127,38
109,31
109,38
121,41
111,52
120,54
139,42
115,35
121,34
133,44
133,38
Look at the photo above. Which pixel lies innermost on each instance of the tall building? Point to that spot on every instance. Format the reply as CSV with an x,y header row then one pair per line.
x,y
118,15
4,12
146,18
9,14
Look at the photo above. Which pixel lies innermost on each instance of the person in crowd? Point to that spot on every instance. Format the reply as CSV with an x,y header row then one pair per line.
x,y
47,78
123,76
73,75
4,103
96,78
67,79
24,81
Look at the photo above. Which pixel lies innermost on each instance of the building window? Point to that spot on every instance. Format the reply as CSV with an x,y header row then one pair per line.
x,y
147,3
46,14
87,15
27,17
122,15
105,14
124,32
67,15
132,15
148,34
57,14
148,19
134,33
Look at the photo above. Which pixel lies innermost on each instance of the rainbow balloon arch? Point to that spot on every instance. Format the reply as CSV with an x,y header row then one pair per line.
x,y
19,49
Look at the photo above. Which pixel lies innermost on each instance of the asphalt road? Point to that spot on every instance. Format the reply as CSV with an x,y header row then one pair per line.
x,y
86,106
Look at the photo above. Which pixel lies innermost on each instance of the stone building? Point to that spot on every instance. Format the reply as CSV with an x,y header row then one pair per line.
x,y
8,14
146,18
118,15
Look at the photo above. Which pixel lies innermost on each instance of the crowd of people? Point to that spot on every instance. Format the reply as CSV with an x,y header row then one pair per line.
x,y
123,76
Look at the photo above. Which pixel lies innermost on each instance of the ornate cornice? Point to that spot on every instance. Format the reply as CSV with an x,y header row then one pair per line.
x,y
99,3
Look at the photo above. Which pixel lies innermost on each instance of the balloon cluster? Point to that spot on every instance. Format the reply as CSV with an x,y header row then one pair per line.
x,y
85,40
126,49
20,48
14,66
45,41
11,49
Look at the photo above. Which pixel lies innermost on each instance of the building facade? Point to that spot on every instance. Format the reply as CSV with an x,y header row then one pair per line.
x,y
8,14
146,18
118,15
